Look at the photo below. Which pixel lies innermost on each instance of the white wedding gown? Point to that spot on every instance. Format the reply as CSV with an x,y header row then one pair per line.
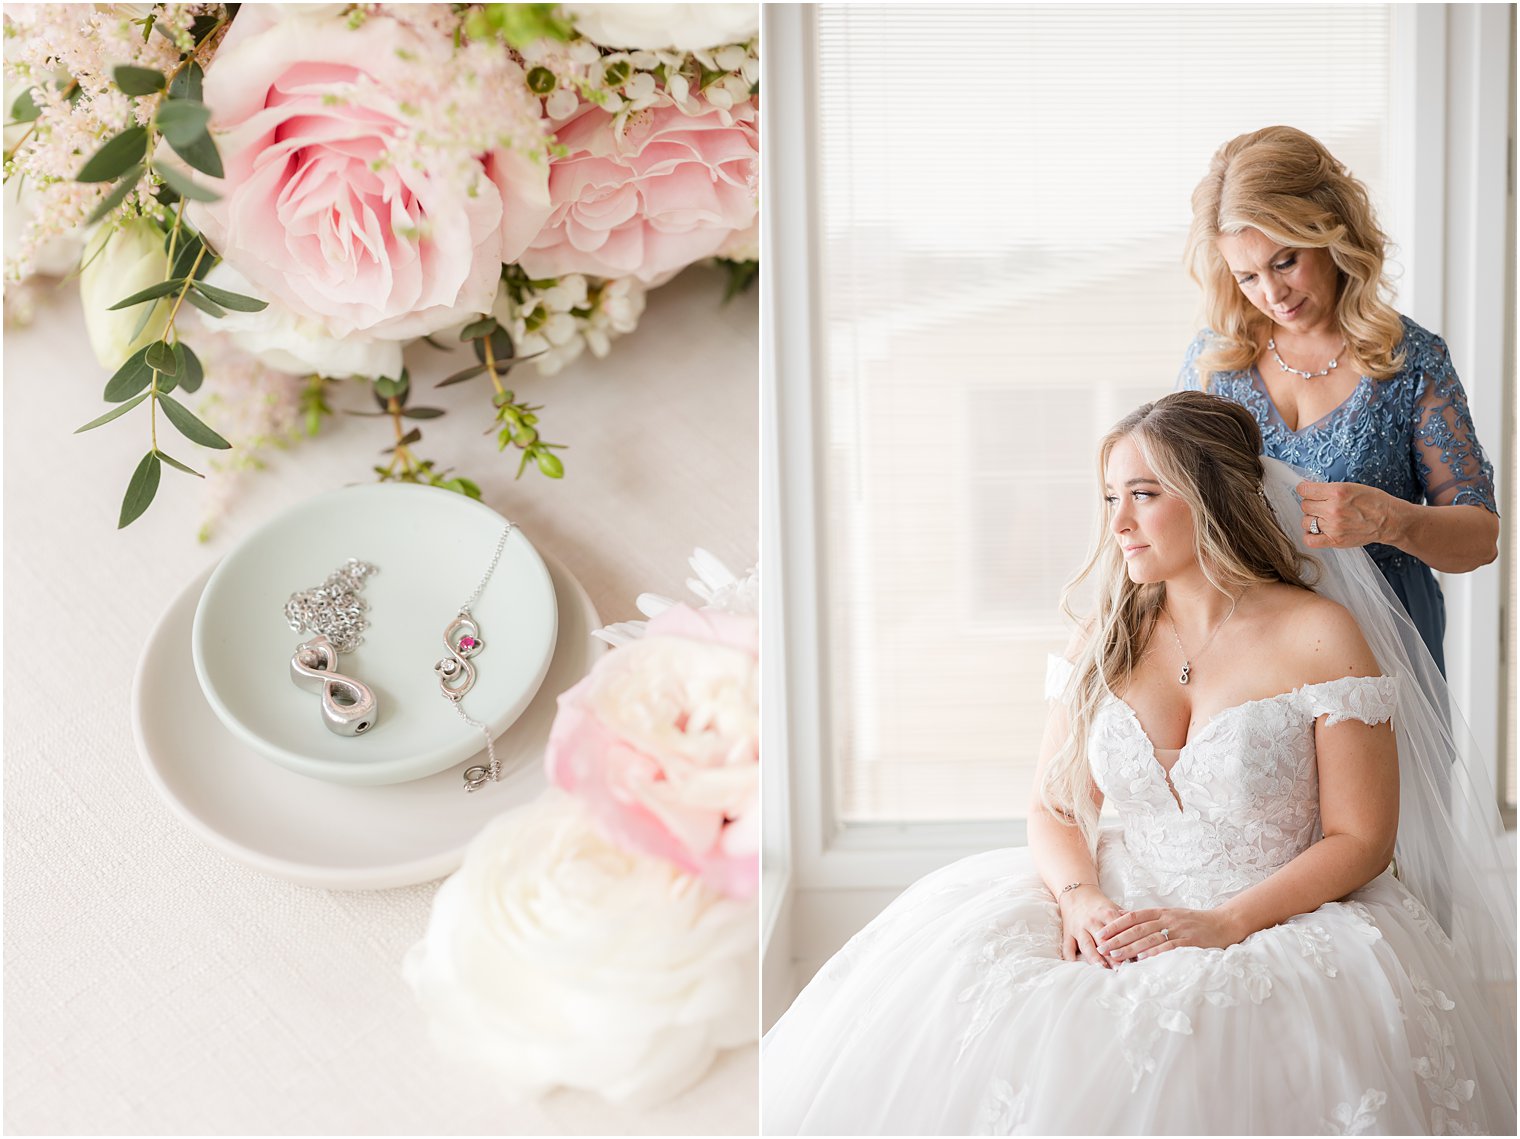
x,y
953,1012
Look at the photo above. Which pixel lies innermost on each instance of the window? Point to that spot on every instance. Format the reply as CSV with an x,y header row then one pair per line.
x,y
1002,196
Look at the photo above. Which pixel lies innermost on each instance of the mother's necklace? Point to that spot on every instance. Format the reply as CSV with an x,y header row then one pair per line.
x,y
456,675
1187,665
1334,360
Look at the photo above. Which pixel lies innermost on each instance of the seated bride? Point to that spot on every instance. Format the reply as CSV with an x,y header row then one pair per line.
x,y
1298,921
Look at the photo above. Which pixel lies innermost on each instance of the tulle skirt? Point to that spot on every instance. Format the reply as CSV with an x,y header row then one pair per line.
x,y
953,1013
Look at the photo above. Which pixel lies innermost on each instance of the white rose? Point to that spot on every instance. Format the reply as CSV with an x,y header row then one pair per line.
x,y
120,261
288,342
684,27
563,961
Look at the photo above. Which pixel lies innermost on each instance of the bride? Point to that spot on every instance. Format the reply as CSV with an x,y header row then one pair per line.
x,y
1235,954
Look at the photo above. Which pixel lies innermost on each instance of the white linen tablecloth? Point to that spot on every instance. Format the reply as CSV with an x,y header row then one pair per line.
x,y
154,985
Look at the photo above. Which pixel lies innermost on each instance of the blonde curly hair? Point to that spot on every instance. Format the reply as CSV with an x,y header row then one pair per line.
x,y
1284,183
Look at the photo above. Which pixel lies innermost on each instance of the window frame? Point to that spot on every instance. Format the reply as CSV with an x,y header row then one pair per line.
x,y
1452,99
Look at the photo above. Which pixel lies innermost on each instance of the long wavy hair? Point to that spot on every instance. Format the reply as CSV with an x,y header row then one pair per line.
x,y
1207,451
1284,183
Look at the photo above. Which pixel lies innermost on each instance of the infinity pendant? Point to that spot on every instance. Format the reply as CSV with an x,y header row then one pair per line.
x,y
1186,669
349,707
456,675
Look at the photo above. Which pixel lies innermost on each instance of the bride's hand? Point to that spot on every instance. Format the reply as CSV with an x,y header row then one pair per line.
x,y
1145,933
1085,911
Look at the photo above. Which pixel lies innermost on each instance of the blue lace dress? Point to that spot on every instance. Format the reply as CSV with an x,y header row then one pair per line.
x,y
1410,435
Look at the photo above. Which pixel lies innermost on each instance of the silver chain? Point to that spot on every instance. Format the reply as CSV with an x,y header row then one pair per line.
x,y
334,609
477,777
1187,664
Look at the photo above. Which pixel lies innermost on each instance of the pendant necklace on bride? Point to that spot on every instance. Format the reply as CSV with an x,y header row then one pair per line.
x,y
1330,367
1187,663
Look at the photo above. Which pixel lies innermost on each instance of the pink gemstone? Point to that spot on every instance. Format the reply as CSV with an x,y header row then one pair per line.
x,y
467,642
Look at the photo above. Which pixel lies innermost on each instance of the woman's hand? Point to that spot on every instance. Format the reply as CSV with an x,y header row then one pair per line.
x,y
1085,911
1349,514
1145,933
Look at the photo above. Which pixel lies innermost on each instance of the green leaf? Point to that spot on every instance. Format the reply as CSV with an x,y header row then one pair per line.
x,y
187,83
182,122
139,80
228,299
179,466
183,185
193,373
151,293
140,490
501,348
387,388
549,463
130,378
461,376
25,108
116,157
191,427
160,357
115,198
478,328
186,253
210,308
114,413
422,412
412,436
200,153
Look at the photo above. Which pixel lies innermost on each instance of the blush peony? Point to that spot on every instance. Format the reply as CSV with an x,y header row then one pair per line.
x,y
332,203
662,741
646,194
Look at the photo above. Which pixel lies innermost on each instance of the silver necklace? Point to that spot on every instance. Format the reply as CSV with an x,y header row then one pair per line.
x,y
456,675
335,612
1187,665
1334,360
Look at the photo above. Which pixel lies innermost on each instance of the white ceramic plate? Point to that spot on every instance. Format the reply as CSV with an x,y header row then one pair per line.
x,y
431,548
327,834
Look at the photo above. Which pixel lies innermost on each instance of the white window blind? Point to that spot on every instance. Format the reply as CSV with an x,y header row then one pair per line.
x,y
1003,195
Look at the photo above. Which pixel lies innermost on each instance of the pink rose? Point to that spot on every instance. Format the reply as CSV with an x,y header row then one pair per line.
x,y
646,200
662,742
332,204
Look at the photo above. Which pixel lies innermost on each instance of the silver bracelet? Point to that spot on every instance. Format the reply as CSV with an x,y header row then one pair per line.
x,y
1073,886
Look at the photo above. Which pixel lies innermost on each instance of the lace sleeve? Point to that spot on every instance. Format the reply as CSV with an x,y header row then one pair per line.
x,y
1188,379
1450,461
1370,699
1058,673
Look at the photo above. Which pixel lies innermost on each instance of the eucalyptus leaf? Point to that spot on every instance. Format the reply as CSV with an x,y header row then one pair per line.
x,y
116,157
160,357
193,373
228,299
179,466
200,153
115,198
152,292
130,378
182,122
187,82
210,308
422,412
183,185
478,328
412,436
139,80
25,109
187,253
114,413
141,488
461,376
191,427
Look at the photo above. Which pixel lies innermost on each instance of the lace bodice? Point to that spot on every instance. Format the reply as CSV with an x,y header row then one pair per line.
x,y
1247,783
1411,435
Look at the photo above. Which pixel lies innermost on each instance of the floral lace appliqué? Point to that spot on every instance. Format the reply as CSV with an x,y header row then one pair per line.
x,y
1437,1068
1003,1111
1356,1118
1007,960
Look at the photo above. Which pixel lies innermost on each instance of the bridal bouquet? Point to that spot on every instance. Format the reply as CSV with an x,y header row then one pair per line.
x,y
604,936
302,190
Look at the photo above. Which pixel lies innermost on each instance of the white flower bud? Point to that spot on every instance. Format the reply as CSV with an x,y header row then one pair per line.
x,y
731,58
562,104
117,263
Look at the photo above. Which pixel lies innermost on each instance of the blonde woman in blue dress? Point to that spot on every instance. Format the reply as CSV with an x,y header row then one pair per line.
x,y
1291,260
1234,953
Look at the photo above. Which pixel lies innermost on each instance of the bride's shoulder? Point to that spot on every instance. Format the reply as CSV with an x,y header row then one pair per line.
x,y
1317,637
